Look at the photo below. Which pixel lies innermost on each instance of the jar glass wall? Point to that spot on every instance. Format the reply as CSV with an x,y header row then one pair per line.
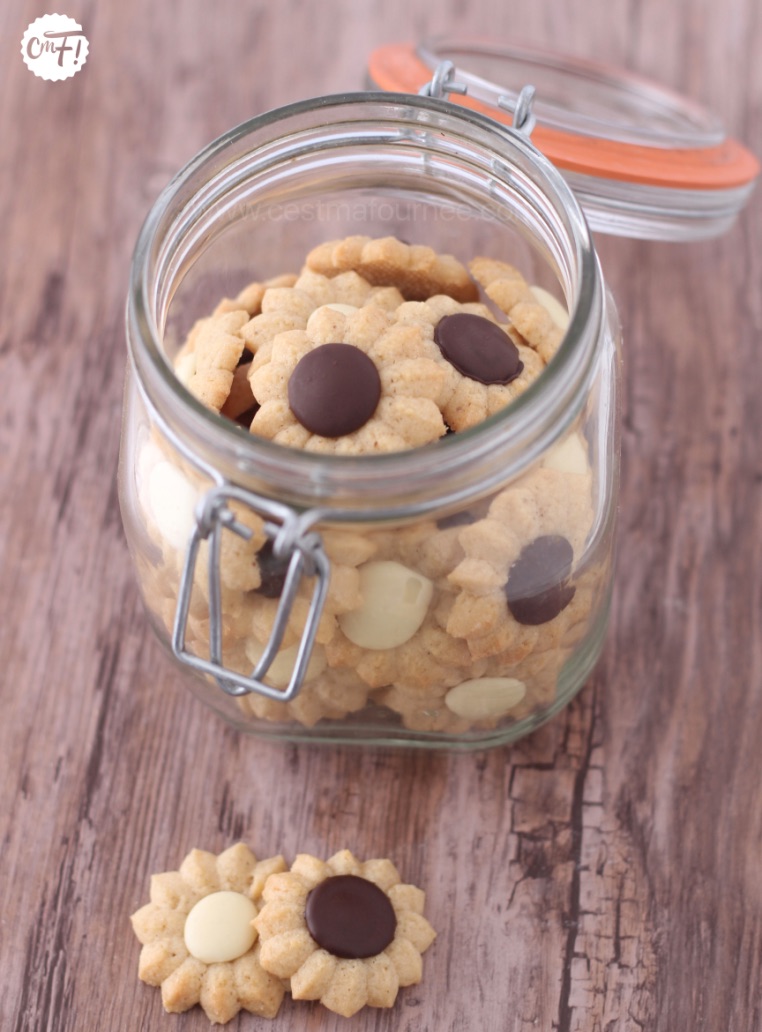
x,y
468,581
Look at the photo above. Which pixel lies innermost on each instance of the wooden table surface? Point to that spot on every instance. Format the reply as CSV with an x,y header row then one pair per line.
x,y
605,874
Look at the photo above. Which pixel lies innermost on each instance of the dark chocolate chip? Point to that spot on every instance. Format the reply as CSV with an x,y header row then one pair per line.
x,y
350,917
272,570
334,390
537,588
478,348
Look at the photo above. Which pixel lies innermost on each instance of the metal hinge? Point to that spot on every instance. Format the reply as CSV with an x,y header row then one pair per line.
x,y
292,541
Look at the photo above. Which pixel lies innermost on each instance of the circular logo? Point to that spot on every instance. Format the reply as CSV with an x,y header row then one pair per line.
x,y
54,47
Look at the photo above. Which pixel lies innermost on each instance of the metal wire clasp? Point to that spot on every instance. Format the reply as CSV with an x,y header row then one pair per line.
x,y
524,118
442,82
292,540
520,106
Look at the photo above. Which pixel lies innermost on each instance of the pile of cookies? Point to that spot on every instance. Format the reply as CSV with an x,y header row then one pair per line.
x,y
231,933
447,625
375,346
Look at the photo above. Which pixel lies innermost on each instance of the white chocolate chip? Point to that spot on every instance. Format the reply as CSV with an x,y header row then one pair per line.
x,y
282,666
219,928
342,309
570,456
395,600
149,455
172,501
485,697
552,306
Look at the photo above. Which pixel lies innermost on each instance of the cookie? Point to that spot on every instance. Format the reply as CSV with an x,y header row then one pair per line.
x,y
289,307
516,575
198,941
430,658
346,933
485,364
423,712
532,319
250,298
206,363
416,270
350,383
212,362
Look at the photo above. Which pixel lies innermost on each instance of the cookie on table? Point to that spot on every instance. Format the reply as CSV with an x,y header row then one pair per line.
x,y
346,933
416,270
531,318
353,382
198,941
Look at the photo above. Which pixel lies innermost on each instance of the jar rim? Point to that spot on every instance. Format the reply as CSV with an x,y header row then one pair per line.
x,y
238,454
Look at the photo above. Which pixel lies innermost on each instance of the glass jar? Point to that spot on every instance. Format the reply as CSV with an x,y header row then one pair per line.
x,y
455,594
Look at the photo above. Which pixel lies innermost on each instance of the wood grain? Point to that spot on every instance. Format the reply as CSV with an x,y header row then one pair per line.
x,y
603,875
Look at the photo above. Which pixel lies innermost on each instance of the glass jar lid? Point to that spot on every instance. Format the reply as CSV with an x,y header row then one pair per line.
x,y
643,161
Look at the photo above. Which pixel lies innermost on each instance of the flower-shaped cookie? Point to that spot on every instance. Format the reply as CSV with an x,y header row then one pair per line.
x,y
207,360
485,368
198,941
513,687
250,298
289,307
346,933
416,270
212,361
353,382
515,576
531,318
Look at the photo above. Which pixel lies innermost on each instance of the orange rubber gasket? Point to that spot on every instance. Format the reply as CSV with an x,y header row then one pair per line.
x,y
397,68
